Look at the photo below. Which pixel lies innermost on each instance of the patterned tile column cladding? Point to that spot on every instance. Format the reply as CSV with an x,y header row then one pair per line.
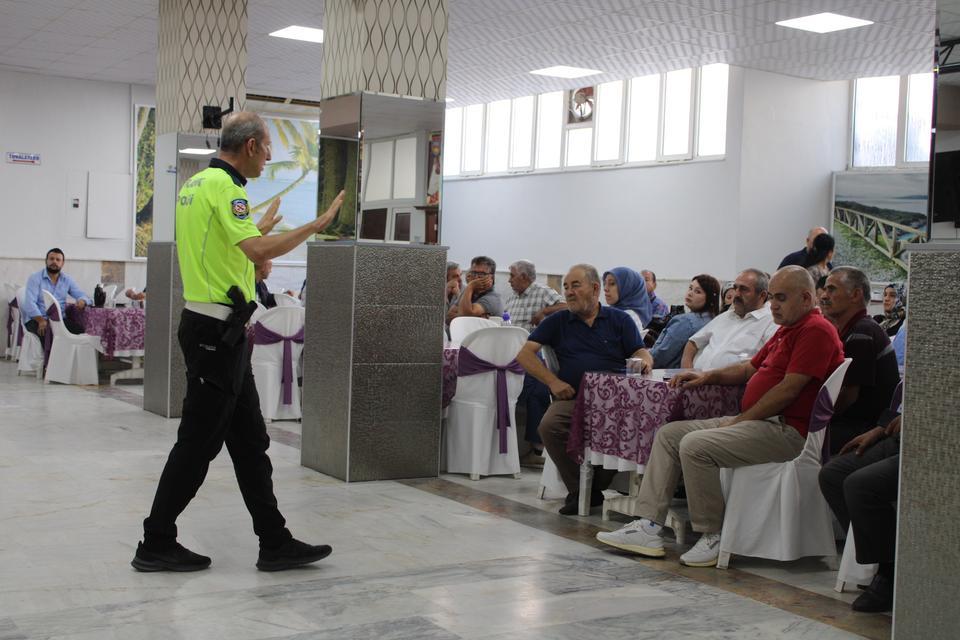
x,y
928,555
201,60
385,46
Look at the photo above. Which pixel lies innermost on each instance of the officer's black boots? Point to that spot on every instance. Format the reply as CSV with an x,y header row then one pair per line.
x,y
290,554
175,558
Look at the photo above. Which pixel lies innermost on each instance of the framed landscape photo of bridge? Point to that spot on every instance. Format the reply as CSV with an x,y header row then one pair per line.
x,y
876,215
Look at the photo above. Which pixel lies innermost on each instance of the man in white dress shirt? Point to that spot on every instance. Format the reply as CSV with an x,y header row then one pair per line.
x,y
737,333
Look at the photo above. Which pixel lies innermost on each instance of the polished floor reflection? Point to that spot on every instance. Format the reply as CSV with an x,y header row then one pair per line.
x,y
442,558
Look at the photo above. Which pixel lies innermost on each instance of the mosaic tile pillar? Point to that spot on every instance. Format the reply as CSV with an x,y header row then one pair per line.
x,y
373,360
201,60
928,554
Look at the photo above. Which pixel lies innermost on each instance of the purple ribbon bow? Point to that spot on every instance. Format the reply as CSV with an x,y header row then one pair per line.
x,y
469,364
264,336
820,419
13,304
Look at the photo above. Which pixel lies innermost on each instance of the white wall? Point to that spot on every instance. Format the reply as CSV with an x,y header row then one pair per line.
x,y
795,135
785,137
76,126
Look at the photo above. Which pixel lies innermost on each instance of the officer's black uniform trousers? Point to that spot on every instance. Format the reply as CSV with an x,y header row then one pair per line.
x,y
221,406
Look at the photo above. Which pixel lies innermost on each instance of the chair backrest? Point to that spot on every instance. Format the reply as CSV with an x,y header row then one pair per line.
x,y
822,413
897,398
285,321
498,346
21,294
550,359
283,300
57,325
463,326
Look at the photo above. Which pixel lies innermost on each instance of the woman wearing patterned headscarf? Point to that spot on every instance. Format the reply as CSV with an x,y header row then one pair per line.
x,y
625,289
894,308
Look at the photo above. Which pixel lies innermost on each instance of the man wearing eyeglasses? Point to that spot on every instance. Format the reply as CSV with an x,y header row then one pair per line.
x,y
478,299
737,333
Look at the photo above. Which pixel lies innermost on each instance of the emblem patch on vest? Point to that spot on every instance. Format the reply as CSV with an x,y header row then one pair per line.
x,y
240,209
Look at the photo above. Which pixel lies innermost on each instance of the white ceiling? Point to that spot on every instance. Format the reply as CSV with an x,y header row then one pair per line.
x,y
494,43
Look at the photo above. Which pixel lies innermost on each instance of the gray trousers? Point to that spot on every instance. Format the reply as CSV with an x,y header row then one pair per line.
x,y
698,449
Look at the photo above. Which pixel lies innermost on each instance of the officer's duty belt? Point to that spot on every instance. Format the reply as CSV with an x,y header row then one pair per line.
x,y
210,309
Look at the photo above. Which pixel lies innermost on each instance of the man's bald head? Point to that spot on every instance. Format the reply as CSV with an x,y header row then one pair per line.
x,y
238,128
792,295
813,234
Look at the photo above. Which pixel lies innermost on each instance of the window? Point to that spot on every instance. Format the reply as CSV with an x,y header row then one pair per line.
x,y
609,121
405,169
712,110
919,116
521,133
579,142
643,119
472,158
498,136
875,109
452,137
549,129
380,173
678,89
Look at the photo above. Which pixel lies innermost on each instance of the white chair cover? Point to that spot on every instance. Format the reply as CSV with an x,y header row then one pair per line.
x,y
461,327
283,300
551,485
8,316
29,354
267,363
73,357
850,569
776,510
110,296
473,442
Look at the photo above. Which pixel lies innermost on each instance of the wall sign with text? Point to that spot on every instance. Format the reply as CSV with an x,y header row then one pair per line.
x,y
18,157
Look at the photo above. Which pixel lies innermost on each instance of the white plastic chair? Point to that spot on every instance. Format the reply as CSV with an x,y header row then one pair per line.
x,y
9,316
776,510
461,327
73,357
550,481
110,296
267,363
850,569
29,354
473,441
283,300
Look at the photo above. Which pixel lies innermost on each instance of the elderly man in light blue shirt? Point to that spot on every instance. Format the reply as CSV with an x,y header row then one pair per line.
x,y
59,285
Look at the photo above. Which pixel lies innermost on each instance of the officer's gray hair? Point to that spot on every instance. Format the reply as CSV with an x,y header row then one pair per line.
x,y
763,279
854,278
525,268
240,127
590,271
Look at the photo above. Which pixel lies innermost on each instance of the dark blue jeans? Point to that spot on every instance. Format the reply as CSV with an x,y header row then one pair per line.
x,y
535,398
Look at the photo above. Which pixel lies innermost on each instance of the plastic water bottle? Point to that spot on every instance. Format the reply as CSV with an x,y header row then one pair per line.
x,y
506,319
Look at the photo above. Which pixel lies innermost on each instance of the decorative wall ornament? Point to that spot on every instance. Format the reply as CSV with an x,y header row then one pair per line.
x,y
201,60
385,46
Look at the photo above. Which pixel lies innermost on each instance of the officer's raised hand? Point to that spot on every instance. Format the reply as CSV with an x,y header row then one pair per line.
x,y
324,220
270,218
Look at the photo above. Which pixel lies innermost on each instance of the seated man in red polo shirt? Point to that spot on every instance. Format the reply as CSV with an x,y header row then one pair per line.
x,y
782,380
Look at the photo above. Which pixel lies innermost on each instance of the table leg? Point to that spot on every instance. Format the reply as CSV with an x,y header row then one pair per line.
x,y
135,372
586,484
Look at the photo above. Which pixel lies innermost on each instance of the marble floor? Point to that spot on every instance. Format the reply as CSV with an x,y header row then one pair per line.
x,y
434,558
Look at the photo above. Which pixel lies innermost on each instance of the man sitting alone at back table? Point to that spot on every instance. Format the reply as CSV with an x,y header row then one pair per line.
x,y
782,380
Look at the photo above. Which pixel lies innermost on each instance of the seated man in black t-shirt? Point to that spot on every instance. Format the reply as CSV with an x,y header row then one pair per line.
x,y
585,337
873,374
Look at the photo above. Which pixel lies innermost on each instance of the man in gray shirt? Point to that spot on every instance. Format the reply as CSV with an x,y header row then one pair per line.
x,y
478,299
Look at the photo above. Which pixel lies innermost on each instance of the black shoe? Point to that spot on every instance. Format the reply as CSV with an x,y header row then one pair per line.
x,y
290,554
571,505
176,558
877,598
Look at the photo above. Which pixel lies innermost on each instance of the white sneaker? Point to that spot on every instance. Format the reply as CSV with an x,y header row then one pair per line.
x,y
704,553
639,536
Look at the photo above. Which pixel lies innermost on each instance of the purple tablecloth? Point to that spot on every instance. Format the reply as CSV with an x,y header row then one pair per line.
x,y
619,415
450,361
121,330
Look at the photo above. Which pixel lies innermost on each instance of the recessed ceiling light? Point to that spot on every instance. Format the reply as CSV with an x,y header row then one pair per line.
x,y
198,152
449,99
563,71
824,23
296,32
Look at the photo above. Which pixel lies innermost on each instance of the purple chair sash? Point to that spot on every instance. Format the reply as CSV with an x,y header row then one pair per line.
x,y
13,304
469,364
820,419
264,336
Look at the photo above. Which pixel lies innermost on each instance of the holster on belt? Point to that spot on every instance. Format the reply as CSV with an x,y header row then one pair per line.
x,y
236,324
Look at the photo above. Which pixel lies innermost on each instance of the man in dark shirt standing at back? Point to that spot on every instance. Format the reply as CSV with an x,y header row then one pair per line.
x,y
799,258
873,374
585,337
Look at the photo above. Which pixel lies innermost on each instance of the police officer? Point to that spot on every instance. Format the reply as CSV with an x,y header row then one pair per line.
x,y
217,245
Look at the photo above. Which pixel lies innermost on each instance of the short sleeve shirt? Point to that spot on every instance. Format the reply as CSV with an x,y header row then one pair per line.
x,y
490,301
523,306
809,347
605,346
874,370
213,217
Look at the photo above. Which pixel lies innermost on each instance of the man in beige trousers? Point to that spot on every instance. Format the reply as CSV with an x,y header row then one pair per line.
x,y
782,382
